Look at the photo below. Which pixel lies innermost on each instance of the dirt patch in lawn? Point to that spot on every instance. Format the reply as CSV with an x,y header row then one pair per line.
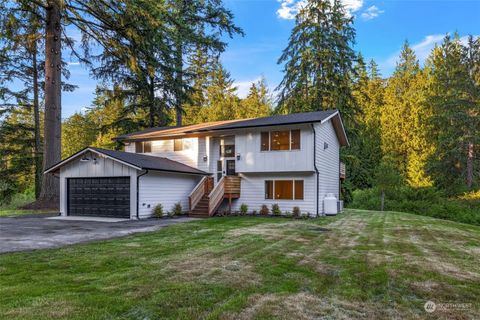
x,y
305,306
208,268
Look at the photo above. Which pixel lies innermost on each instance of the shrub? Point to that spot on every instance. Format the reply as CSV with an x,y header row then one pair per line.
x,y
276,209
424,201
264,211
177,209
158,211
296,212
243,209
254,212
288,214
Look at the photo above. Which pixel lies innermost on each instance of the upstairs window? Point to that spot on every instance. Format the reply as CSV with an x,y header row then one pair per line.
x,y
143,146
227,150
181,144
280,140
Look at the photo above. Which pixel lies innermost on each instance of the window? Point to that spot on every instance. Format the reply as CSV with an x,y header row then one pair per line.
x,y
138,147
298,189
265,141
227,150
284,189
268,189
280,140
295,140
181,144
142,147
147,146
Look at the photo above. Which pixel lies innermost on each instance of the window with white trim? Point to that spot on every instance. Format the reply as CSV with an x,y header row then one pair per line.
x,y
284,189
280,140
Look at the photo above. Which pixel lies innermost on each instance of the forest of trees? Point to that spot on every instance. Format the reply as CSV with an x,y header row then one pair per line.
x,y
416,129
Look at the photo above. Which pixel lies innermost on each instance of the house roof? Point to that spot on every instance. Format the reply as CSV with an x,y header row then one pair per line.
x,y
294,118
135,160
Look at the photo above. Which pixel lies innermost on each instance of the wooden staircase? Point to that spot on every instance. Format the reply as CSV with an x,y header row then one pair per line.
x,y
201,209
205,199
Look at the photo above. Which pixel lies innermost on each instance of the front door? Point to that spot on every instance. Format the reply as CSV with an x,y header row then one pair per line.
x,y
230,164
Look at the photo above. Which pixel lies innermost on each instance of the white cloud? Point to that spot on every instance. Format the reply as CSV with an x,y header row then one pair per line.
x,y
422,50
352,5
371,13
289,8
244,86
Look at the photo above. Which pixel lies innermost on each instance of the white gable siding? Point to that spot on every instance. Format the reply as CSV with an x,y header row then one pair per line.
x,y
253,192
247,144
327,161
166,189
104,167
192,157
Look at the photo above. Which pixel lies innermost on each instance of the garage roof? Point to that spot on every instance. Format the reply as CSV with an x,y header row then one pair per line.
x,y
294,118
135,160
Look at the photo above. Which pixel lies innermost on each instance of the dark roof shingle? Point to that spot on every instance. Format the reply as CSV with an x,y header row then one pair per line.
x,y
294,118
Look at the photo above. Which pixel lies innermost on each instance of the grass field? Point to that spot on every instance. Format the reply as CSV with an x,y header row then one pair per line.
x,y
361,264
20,212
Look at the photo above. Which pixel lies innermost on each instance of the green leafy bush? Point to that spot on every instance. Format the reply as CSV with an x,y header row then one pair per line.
x,y
424,201
177,209
264,211
296,212
243,209
158,211
276,209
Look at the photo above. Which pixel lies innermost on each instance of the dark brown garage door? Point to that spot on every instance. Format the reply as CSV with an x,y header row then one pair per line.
x,y
104,197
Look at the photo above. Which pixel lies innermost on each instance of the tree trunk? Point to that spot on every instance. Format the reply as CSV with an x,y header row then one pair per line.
x,y
470,159
53,94
179,82
36,117
382,200
151,101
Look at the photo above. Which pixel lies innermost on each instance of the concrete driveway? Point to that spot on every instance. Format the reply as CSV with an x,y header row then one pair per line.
x,y
39,232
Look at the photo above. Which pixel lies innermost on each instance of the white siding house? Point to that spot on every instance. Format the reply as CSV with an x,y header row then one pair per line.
x,y
291,160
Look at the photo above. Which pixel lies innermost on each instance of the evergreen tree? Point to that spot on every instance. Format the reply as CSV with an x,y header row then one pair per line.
x,y
318,61
78,132
364,154
404,120
454,96
258,102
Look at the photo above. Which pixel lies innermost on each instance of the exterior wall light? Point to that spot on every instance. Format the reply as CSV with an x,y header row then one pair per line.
x,y
238,156
205,158
325,146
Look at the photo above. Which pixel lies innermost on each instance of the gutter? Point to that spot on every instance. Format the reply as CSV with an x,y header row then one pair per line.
x,y
138,186
315,164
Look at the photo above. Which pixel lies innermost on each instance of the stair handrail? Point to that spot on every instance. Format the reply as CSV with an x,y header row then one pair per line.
x,y
197,193
216,196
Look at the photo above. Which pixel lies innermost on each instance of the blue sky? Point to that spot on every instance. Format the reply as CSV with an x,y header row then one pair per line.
x,y
382,27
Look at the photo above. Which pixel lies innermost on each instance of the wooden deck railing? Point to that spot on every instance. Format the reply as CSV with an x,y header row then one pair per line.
x,y
342,171
232,186
201,189
216,196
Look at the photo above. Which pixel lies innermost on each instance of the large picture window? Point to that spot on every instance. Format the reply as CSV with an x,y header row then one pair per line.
x,y
284,189
143,146
181,144
280,140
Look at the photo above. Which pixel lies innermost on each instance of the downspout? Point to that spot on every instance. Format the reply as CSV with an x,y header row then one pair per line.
x,y
315,164
138,186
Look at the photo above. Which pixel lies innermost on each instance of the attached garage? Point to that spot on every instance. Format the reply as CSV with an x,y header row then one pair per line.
x,y
101,197
107,183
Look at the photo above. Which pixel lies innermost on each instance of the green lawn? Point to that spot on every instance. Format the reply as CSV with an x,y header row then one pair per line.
x,y
20,212
361,264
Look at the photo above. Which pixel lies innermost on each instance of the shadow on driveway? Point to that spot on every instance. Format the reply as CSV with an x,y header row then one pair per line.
x,y
37,232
